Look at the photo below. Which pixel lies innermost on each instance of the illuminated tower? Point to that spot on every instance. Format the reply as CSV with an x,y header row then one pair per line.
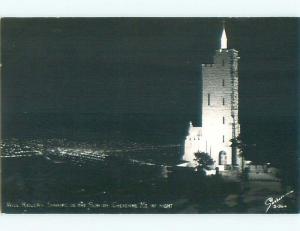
x,y
219,109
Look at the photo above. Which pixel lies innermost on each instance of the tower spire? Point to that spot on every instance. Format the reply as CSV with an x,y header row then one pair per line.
x,y
223,38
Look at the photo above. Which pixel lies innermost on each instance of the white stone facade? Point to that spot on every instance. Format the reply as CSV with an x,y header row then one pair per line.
x,y
219,111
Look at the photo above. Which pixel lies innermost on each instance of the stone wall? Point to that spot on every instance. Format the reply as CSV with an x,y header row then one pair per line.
x,y
220,103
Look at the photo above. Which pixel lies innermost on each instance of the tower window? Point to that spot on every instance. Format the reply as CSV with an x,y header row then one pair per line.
x,y
223,82
223,62
223,101
223,138
223,120
208,99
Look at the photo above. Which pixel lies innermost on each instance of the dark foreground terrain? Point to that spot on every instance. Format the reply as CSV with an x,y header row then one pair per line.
x,y
59,176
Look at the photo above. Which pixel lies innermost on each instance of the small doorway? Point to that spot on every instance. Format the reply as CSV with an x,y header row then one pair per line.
x,y
222,158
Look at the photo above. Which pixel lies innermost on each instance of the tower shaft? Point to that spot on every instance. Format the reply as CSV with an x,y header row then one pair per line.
x,y
219,109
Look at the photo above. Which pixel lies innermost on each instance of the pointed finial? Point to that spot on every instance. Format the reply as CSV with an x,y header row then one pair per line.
x,y
191,125
224,38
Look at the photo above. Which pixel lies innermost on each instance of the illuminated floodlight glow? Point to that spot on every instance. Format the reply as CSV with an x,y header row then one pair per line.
x,y
219,110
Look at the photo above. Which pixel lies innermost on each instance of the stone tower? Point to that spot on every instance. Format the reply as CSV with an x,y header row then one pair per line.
x,y
220,108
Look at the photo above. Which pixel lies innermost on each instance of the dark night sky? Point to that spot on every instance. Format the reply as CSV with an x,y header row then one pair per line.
x,y
143,65
139,78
